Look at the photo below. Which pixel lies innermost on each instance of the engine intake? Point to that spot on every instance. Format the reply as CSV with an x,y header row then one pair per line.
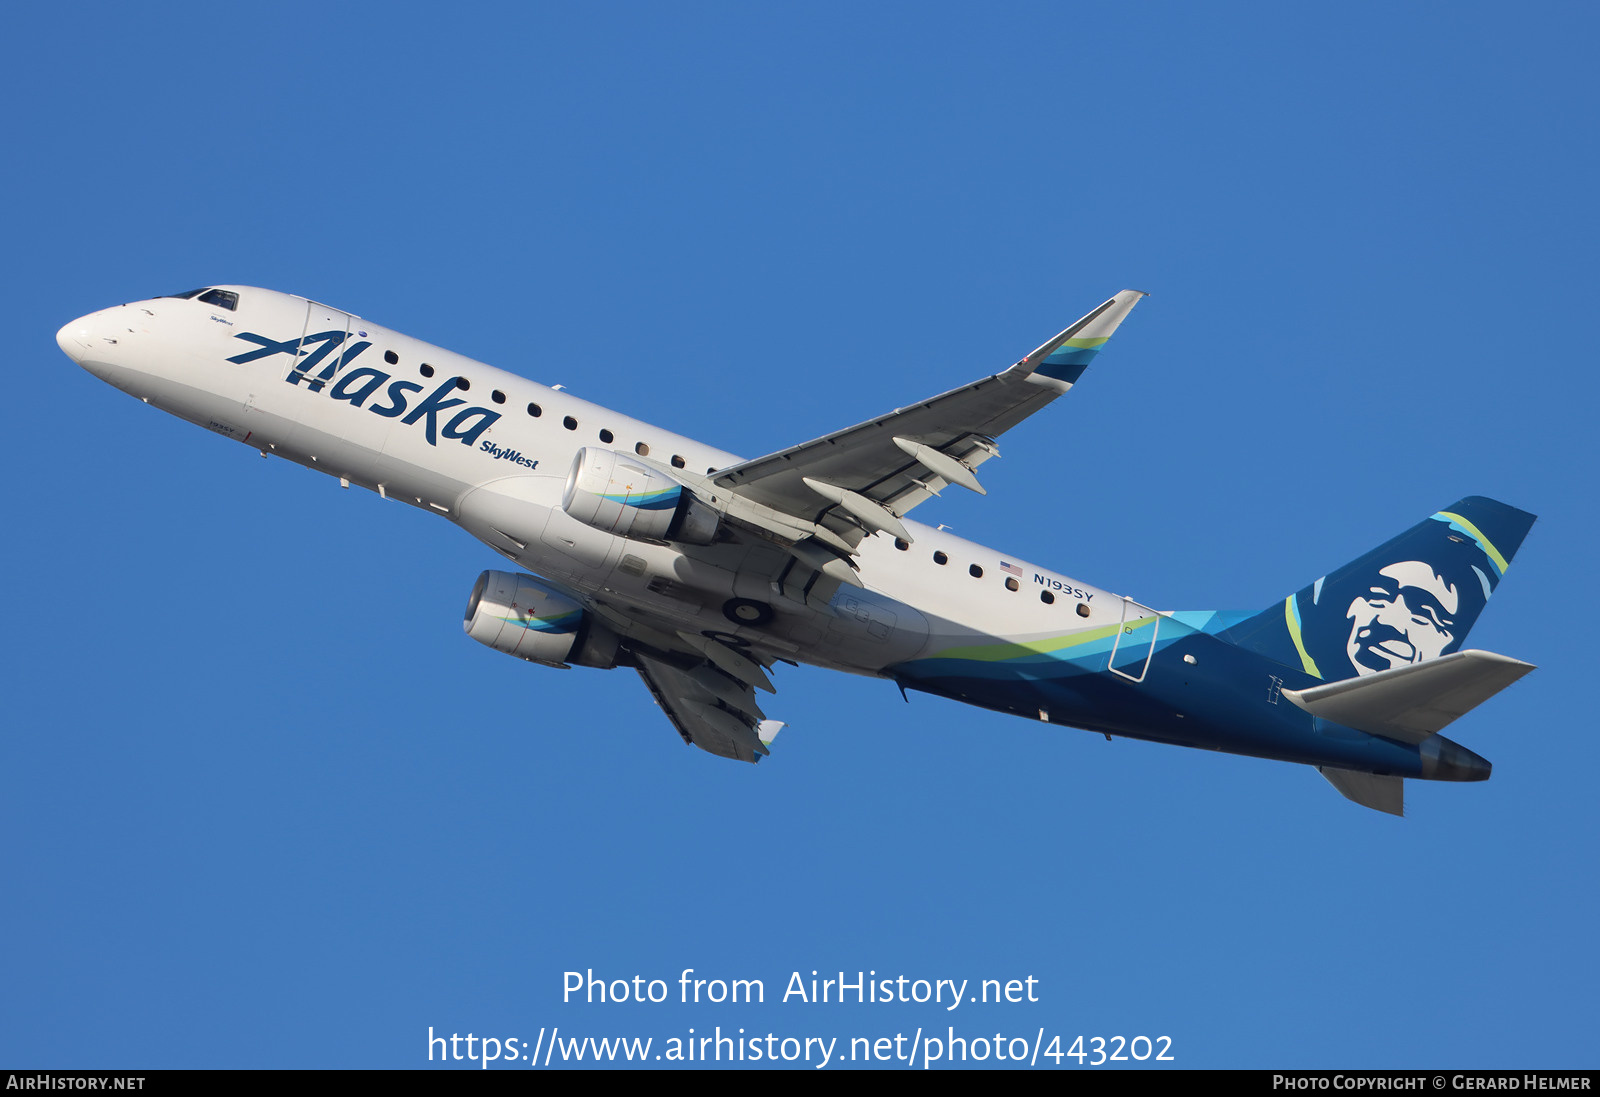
x,y
528,618
611,492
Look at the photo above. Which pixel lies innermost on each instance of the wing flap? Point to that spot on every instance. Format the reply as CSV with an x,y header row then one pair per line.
x,y
712,711
1411,703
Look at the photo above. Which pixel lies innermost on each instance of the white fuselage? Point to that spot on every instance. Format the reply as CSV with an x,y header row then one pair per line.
x,y
378,409
700,571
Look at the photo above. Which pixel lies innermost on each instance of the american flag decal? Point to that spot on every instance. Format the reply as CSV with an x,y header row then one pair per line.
x,y
1012,568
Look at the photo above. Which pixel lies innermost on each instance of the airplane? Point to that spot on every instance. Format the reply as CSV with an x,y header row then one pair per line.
x,y
702,571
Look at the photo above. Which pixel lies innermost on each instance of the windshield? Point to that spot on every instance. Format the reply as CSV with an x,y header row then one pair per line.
x,y
222,298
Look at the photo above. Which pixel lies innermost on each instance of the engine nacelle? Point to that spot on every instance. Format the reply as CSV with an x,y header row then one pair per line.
x,y
611,492
525,617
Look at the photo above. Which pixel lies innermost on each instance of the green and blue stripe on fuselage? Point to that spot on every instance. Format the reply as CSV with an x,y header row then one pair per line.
x,y
1183,685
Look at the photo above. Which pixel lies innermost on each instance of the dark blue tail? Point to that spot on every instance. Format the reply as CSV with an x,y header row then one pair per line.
x,y
1413,598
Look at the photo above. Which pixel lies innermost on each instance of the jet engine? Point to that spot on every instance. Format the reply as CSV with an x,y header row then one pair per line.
x,y
528,618
611,492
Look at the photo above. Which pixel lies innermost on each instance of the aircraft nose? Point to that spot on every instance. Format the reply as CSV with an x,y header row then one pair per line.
x,y
73,338
95,342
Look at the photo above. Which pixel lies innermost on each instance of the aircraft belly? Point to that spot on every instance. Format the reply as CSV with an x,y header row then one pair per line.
x,y
198,406
509,514
697,589
866,629
312,445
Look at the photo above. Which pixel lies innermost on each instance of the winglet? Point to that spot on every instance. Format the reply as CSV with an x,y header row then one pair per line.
x,y
1060,362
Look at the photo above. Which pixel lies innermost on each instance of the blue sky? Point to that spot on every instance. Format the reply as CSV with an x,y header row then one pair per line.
x,y
268,806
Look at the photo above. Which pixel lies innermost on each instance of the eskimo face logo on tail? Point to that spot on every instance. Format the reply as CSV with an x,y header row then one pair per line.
x,y
357,386
1411,601
1406,615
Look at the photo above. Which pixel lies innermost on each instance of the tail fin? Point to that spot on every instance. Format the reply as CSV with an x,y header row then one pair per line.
x,y
1411,599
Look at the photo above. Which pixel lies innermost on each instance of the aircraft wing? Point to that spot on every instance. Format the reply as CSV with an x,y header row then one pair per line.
x,y
710,708
862,479
707,688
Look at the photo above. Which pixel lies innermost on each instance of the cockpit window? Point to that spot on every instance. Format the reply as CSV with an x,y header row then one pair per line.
x,y
222,298
186,294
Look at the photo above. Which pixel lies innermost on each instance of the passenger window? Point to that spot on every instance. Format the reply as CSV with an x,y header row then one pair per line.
x,y
1046,597
570,423
975,571
222,298
1011,584
606,436
940,558
461,383
535,410
497,396
1083,609
901,545
677,462
641,449
426,370
391,357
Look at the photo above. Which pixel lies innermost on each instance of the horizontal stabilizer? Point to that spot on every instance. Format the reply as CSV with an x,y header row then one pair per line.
x,y
1411,703
1368,789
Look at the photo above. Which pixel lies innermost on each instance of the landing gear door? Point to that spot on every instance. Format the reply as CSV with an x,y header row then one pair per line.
x,y
1135,642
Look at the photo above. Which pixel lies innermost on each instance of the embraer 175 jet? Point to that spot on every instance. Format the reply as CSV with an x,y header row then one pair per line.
x,y
701,570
